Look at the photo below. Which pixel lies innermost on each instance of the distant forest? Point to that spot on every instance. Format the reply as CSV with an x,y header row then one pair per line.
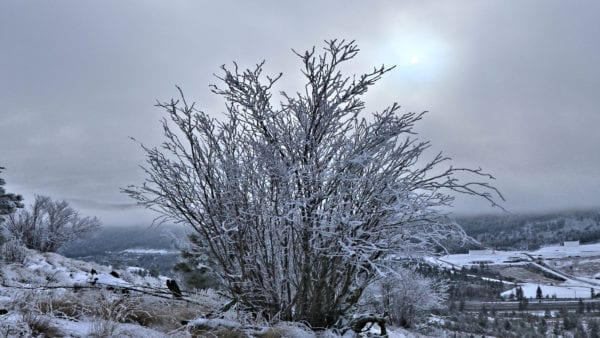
x,y
530,232
502,232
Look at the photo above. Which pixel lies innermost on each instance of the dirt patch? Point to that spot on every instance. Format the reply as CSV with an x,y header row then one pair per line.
x,y
522,274
577,266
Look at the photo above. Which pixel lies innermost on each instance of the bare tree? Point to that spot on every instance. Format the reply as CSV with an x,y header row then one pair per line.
x,y
48,224
300,204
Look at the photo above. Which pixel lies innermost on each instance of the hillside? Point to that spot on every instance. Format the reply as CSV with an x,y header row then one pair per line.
x,y
49,295
531,231
560,271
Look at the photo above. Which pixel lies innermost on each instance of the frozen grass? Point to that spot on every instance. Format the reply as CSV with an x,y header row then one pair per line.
x,y
50,295
12,252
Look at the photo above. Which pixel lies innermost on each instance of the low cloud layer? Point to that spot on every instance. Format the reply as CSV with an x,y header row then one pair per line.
x,y
512,88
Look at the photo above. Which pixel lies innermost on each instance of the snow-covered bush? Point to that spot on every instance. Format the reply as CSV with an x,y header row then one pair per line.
x,y
49,224
12,251
405,296
299,202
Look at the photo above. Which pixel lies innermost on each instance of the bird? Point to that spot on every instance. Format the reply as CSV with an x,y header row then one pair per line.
x,y
174,288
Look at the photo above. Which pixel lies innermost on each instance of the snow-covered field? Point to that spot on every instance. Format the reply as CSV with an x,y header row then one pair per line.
x,y
556,251
572,287
496,257
552,291
150,251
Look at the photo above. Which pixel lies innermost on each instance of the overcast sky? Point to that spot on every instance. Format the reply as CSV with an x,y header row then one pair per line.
x,y
511,86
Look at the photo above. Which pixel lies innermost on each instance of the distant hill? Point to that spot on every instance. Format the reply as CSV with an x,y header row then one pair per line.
x,y
531,231
118,238
500,231
153,248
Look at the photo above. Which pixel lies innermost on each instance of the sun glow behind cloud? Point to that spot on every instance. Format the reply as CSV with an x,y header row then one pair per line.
x,y
419,57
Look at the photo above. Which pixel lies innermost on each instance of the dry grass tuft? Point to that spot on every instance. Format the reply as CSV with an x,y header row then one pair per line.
x,y
103,328
13,252
226,332
61,307
40,325
270,333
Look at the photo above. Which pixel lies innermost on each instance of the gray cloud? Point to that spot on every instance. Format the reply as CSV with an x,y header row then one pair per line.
x,y
511,87
90,204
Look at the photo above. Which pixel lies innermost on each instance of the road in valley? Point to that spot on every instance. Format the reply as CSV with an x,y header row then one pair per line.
x,y
533,305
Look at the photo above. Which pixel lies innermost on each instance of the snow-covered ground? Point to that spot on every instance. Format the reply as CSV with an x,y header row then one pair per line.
x,y
48,294
572,287
556,251
51,270
552,291
498,257
495,257
150,251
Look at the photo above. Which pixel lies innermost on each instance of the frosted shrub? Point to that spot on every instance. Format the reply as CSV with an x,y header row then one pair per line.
x,y
48,224
300,200
405,296
13,252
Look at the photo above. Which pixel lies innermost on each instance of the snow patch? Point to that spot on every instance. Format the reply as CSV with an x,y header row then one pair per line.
x,y
559,291
150,251
214,323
